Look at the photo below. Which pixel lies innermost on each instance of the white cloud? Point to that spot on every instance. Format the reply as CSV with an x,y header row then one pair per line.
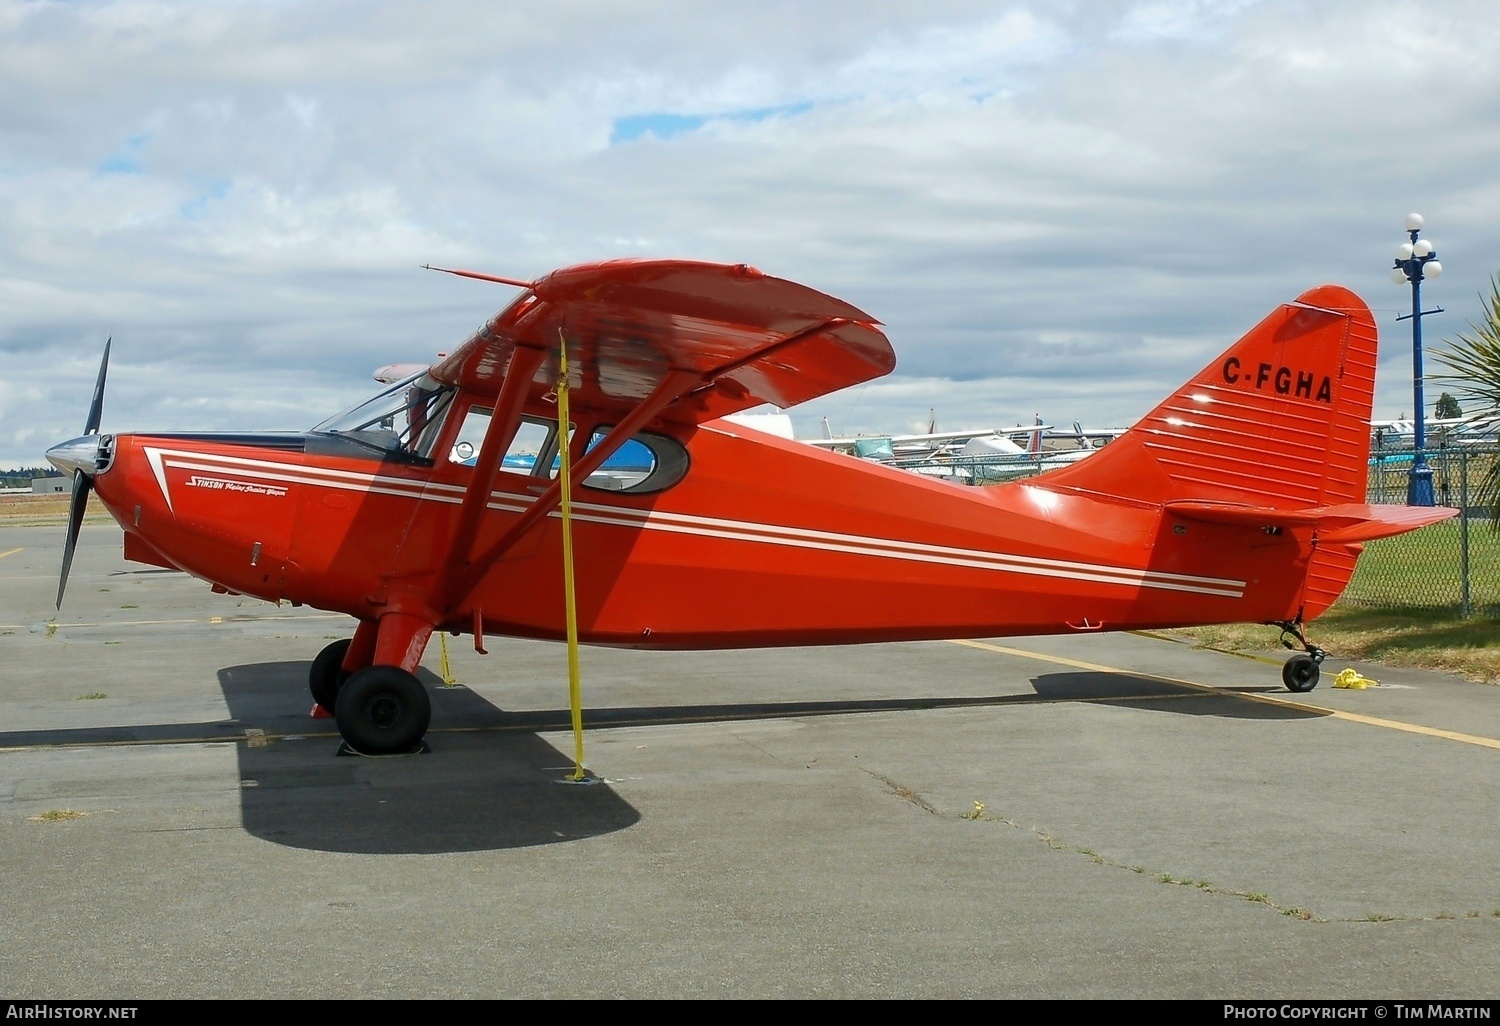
x,y
1062,210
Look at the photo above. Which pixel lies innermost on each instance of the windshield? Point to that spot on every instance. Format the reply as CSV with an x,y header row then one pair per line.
x,y
402,420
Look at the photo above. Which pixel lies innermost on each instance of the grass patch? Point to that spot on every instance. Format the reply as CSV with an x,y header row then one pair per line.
x,y
57,816
1424,568
90,696
1402,607
1428,639
22,510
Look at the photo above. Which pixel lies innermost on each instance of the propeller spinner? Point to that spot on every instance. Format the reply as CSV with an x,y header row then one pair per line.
x,y
82,456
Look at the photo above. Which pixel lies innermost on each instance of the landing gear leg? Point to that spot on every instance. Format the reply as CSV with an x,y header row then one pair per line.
x,y
1300,673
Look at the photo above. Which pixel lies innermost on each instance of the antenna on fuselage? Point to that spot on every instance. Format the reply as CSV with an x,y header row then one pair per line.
x,y
497,279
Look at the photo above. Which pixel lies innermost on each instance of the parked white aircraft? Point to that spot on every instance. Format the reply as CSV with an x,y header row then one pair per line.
x,y
973,456
1474,429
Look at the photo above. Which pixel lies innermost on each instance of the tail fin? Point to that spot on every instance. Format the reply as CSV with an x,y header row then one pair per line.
x,y
1274,432
1280,419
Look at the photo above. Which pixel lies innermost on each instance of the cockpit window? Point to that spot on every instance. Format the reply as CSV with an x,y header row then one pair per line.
x,y
532,438
402,421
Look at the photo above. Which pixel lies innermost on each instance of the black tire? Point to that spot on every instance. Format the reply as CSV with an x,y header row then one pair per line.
x,y
328,674
1300,673
383,710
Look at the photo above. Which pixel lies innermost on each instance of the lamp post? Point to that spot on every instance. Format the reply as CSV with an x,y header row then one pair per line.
x,y
1416,260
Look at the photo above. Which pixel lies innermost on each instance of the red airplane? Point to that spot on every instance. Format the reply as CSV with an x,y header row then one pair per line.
x,y
435,504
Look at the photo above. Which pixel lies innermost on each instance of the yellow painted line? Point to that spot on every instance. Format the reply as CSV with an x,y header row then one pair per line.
x,y
210,620
12,552
1338,714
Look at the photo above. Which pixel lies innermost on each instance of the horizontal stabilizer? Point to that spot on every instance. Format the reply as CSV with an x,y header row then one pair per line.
x,y
1342,524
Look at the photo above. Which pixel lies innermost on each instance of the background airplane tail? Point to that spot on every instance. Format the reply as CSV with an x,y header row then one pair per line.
x,y
1275,429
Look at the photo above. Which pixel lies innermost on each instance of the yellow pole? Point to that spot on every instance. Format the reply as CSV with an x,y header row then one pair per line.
x,y
570,603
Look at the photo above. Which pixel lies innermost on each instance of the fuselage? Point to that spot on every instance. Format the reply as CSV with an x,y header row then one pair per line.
x,y
762,541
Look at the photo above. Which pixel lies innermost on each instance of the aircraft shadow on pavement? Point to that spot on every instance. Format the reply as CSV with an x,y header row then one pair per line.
x,y
1140,692
472,791
490,780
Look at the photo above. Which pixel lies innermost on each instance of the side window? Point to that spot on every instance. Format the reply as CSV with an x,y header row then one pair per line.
x,y
520,458
645,463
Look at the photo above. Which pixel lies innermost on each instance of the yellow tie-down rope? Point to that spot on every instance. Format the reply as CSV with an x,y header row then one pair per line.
x,y
449,681
570,602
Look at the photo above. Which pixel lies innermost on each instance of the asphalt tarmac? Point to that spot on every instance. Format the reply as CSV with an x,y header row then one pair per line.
x,y
1086,817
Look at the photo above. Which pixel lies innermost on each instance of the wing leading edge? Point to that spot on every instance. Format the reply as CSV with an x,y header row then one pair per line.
x,y
746,337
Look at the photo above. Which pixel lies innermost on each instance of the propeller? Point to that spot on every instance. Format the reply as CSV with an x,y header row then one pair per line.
x,y
82,456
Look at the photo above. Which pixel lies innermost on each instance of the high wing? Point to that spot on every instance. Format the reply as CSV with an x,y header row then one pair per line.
x,y
647,340
744,337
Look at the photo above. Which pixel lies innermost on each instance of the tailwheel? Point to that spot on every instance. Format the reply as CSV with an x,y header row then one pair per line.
x,y
328,674
383,710
1300,673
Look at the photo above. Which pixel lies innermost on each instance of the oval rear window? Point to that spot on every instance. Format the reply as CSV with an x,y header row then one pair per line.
x,y
646,463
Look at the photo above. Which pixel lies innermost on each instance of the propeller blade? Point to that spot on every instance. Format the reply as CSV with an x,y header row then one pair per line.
x,y
82,485
96,408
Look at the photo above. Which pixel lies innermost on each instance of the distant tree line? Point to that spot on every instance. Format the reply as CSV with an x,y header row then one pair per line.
x,y
23,477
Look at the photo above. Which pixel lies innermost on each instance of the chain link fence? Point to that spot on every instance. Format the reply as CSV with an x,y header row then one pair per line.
x,y
1452,566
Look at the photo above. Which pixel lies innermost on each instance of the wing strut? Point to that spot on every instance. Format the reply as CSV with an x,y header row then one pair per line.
x,y
673,386
505,421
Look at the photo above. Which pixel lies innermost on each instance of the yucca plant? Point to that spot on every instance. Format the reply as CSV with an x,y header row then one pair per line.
x,y
1473,359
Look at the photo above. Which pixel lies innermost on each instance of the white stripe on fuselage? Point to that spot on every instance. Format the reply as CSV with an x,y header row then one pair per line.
x,y
684,523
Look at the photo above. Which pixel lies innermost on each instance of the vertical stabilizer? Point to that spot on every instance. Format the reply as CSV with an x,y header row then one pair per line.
x,y
1280,419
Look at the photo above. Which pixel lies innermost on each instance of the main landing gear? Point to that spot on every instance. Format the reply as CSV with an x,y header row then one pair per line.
x,y
381,709
328,674
1300,673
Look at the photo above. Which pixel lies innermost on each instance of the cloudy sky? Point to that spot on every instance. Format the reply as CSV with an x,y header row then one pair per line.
x,y
1061,209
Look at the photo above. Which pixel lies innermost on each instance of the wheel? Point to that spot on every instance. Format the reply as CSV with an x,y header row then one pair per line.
x,y
383,710
328,674
1300,673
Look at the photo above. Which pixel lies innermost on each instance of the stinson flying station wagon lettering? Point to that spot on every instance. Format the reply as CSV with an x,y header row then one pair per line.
x,y
435,505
